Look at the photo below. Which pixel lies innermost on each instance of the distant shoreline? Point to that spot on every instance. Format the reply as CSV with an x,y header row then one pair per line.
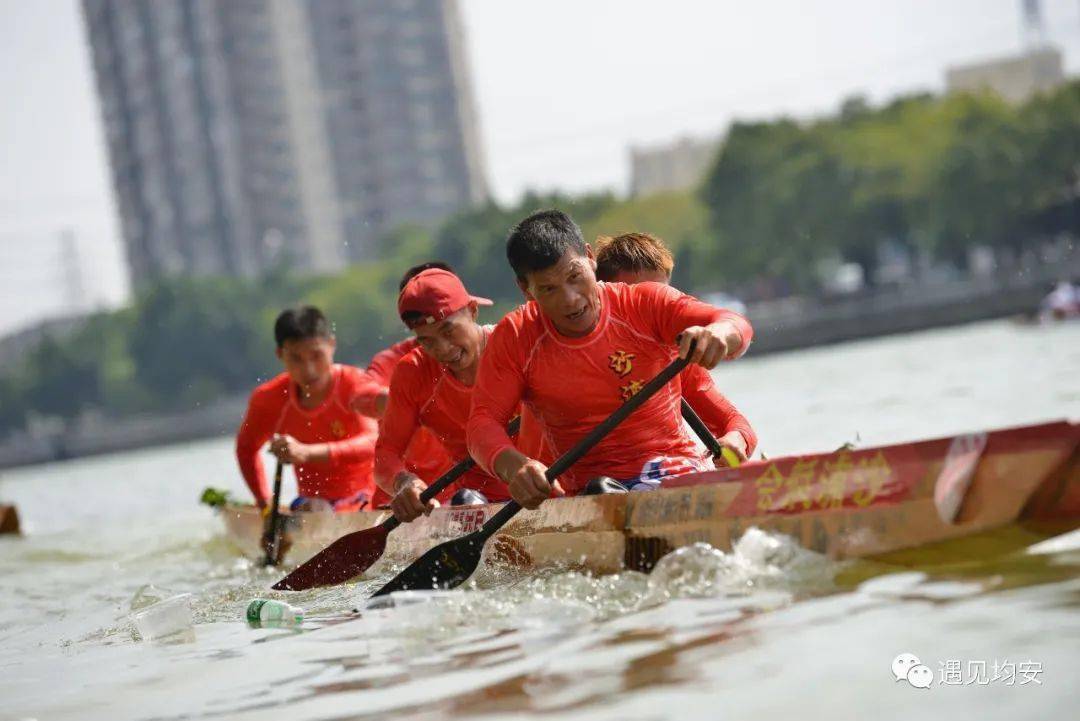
x,y
890,312
99,436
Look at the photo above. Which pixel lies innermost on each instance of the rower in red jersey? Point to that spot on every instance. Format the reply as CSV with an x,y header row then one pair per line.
x,y
575,352
432,388
306,413
638,258
425,456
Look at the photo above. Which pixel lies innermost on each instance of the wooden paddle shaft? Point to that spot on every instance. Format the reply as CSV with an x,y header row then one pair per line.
x,y
586,444
449,477
699,427
274,539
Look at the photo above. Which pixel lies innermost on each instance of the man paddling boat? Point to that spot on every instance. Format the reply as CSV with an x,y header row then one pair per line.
x,y
575,352
425,456
633,258
306,413
432,388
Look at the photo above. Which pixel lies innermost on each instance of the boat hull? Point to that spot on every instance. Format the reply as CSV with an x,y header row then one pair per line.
x,y
846,504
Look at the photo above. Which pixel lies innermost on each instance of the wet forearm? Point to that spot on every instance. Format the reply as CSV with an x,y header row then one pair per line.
x,y
508,462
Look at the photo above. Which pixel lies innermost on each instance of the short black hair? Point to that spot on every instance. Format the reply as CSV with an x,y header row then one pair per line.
x,y
418,269
301,323
541,239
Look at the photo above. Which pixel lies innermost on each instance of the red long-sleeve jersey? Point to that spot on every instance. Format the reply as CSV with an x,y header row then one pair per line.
x,y
572,384
424,394
275,408
425,455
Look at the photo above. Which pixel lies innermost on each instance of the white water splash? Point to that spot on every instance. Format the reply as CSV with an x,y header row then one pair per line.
x,y
759,560
554,604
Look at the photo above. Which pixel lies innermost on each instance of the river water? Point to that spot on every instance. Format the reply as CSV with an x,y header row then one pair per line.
x,y
765,631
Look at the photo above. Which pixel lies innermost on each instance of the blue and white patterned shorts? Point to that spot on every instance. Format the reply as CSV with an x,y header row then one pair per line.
x,y
654,472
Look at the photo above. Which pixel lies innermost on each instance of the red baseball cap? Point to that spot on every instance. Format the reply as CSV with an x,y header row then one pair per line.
x,y
434,294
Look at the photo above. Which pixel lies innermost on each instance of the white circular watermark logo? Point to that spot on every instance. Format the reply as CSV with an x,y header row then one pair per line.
x,y
920,676
902,665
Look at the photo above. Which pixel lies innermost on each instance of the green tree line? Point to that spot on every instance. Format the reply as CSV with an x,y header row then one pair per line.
x,y
931,175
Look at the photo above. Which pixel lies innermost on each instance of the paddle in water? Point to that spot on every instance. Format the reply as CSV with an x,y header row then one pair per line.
x,y
271,540
355,552
694,421
449,564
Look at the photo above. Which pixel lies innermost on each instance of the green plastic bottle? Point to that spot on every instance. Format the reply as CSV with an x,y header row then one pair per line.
x,y
268,613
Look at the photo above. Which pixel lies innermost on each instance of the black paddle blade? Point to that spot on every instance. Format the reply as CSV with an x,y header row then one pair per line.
x,y
345,558
447,565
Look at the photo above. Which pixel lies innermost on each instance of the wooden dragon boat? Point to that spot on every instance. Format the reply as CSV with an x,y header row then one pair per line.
x,y
845,504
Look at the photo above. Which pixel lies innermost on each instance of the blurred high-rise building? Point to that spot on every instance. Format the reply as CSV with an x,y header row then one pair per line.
x,y
1039,69
243,133
1015,79
674,166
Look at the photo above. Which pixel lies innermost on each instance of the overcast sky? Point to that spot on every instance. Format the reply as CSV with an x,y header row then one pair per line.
x,y
564,88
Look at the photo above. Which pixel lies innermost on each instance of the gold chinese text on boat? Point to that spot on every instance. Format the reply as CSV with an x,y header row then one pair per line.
x,y
822,483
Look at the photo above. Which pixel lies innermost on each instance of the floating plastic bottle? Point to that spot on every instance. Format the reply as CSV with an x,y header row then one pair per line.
x,y
160,618
268,613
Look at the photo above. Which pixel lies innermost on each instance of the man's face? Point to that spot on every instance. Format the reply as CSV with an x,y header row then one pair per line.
x,y
309,362
455,341
567,293
630,277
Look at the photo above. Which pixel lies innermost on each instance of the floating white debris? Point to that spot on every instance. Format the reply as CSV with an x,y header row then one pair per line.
x,y
892,585
398,599
164,618
1058,544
